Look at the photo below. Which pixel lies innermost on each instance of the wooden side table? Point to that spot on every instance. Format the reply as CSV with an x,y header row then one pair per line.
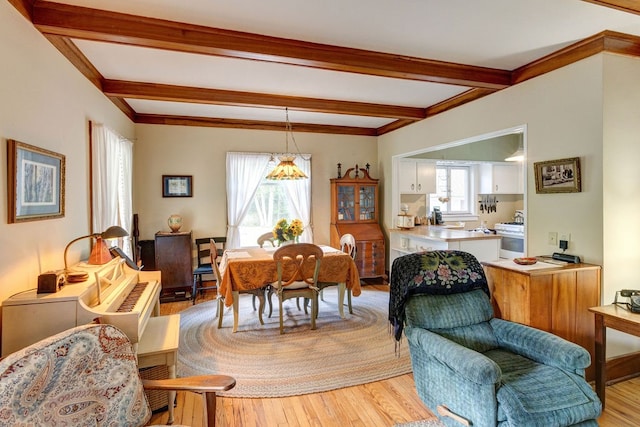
x,y
615,317
173,256
159,346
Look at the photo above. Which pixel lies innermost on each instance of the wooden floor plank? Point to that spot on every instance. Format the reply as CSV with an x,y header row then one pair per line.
x,y
379,404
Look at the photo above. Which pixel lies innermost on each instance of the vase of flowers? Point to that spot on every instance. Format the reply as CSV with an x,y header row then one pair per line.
x,y
286,232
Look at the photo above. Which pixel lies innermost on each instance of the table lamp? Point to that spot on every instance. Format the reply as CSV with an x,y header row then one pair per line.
x,y
99,253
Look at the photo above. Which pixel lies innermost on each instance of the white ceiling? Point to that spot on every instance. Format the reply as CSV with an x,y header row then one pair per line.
x,y
501,34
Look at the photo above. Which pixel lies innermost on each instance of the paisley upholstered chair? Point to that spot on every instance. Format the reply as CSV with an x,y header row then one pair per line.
x,y
298,266
474,369
87,376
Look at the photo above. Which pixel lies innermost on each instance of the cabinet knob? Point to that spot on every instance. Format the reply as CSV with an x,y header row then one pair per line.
x,y
419,186
413,186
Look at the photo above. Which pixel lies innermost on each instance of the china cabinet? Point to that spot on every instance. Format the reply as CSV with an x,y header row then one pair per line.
x,y
354,210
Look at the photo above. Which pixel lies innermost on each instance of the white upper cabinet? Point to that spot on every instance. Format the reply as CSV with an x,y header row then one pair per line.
x,y
501,178
416,177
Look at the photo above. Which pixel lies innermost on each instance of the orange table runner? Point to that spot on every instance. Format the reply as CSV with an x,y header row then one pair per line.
x,y
251,268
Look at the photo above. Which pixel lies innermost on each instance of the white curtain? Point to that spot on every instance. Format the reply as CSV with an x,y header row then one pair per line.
x,y
111,182
244,174
299,192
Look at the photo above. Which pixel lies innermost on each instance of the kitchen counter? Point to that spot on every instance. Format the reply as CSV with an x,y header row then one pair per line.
x,y
442,233
485,247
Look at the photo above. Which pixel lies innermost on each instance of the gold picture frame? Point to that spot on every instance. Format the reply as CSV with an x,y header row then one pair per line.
x,y
36,183
558,176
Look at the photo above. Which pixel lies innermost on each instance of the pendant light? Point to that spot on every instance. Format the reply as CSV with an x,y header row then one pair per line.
x,y
287,169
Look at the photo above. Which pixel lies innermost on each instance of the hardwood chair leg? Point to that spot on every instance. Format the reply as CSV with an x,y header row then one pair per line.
x,y
220,312
236,308
209,403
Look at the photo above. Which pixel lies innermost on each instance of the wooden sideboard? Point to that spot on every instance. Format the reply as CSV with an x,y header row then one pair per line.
x,y
555,299
173,259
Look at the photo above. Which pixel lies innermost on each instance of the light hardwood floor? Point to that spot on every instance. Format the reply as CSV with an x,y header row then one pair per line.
x,y
379,404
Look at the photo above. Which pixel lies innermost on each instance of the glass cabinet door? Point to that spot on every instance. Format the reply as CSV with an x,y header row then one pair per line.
x,y
367,202
346,203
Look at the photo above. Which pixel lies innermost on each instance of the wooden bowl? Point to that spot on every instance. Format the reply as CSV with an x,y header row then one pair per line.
x,y
525,261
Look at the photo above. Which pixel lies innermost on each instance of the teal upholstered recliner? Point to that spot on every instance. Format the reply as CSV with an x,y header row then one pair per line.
x,y
473,368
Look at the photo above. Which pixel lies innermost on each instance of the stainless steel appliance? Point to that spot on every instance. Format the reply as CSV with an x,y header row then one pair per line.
x,y
512,242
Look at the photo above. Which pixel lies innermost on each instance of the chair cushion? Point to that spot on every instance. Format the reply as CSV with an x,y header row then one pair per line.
x,y
203,269
448,311
292,285
533,394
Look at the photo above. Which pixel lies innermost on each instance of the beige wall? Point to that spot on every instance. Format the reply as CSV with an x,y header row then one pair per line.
x,y
563,114
621,184
45,102
201,152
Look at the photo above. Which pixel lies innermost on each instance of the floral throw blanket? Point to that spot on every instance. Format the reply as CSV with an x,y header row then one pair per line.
x,y
433,273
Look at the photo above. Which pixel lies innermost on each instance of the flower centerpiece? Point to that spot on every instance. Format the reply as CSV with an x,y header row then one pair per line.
x,y
287,232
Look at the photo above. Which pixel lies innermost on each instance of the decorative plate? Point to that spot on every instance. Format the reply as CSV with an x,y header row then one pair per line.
x,y
525,261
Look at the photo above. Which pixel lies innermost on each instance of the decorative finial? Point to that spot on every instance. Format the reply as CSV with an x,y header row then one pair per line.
x,y
367,166
339,170
357,170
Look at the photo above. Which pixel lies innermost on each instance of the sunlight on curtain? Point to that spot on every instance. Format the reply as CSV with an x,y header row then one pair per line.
x,y
244,175
111,182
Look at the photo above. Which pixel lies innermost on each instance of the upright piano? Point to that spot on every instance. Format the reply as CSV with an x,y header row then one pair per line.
x,y
112,293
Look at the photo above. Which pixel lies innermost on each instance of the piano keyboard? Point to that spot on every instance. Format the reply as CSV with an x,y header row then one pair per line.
x,y
131,299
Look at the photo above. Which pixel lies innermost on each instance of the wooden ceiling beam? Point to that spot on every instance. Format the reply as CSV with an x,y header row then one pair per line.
x,y
630,6
158,119
98,25
161,92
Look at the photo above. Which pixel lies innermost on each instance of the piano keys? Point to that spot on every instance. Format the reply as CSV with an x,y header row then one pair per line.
x,y
28,317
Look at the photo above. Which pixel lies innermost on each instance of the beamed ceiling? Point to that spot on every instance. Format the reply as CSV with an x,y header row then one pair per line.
x,y
358,67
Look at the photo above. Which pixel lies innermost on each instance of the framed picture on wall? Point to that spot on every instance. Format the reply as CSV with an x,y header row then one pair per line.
x,y
177,186
558,176
35,186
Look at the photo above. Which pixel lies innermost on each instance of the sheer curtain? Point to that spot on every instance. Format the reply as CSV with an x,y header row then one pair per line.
x,y
299,192
244,174
111,182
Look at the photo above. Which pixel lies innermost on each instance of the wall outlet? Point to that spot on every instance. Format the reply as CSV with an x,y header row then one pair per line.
x,y
552,239
564,236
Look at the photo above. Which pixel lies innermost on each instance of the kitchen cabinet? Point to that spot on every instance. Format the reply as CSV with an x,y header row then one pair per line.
x,y
496,178
485,247
416,177
354,210
173,259
554,299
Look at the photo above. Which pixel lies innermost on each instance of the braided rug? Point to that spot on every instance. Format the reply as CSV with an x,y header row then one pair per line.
x,y
339,353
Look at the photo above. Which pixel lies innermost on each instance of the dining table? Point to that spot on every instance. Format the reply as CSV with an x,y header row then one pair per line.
x,y
250,268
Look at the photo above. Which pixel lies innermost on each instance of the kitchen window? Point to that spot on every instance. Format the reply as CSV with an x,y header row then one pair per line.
x,y
453,186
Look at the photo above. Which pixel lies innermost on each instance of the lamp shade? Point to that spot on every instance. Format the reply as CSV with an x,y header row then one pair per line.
x,y
114,232
286,169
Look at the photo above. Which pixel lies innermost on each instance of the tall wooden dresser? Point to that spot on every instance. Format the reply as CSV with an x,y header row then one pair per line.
x,y
354,210
173,259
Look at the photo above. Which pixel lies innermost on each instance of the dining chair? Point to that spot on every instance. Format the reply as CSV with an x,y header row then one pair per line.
x,y
256,293
297,267
266,237
204,264
347,245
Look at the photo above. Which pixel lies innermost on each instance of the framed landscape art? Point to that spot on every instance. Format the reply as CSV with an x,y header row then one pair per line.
x,y
36,183
558,176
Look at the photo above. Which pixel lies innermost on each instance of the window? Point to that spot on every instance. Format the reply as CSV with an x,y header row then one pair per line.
x,y
453,186
255,204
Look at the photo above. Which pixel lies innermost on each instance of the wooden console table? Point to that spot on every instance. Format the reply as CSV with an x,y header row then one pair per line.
x,y
615,317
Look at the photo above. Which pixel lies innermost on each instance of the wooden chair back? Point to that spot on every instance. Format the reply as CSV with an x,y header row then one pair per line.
x,y
348,245
298,262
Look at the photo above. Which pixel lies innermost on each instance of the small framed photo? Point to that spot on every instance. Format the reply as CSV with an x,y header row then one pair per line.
x,y
35,183
177,186
558,176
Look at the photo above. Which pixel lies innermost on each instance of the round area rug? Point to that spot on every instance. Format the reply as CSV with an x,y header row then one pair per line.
x,y
339,353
